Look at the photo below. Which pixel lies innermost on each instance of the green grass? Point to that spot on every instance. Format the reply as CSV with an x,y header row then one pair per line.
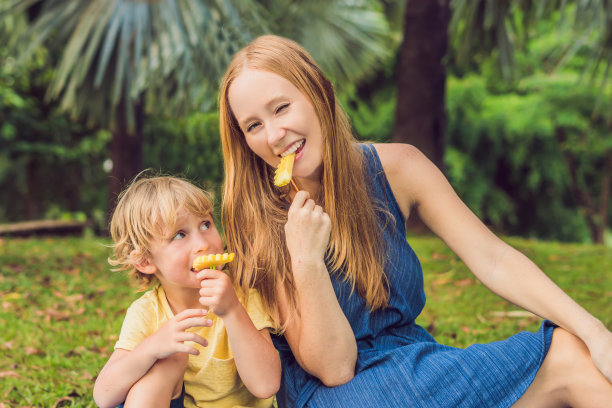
x,y
461,311
62,308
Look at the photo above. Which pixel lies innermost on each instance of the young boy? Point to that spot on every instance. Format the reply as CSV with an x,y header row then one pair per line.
x,y
171,350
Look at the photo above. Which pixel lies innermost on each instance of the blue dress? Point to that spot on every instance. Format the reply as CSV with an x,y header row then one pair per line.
x,y
399,364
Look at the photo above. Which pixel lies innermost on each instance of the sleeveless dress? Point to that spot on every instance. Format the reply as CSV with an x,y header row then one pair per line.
x,y
399,364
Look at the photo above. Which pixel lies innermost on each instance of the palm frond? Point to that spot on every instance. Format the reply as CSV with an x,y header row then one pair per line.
x,y
349,39
171,53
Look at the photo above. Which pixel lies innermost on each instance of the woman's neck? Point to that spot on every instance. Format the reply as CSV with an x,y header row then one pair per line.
x,y
313,187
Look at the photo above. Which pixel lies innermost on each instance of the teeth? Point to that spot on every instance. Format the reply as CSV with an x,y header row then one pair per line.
x,y
293,148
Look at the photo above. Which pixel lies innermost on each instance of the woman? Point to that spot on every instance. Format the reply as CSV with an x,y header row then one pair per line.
x,y
339,279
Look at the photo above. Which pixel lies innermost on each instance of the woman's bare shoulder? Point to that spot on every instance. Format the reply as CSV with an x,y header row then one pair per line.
x,y
406,168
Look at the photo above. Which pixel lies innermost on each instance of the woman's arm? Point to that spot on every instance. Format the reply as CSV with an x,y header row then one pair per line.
x,y
418,185
320,336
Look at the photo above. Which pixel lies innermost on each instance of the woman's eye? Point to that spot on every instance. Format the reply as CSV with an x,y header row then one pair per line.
x,y
252,126
282,107
178,235
205,225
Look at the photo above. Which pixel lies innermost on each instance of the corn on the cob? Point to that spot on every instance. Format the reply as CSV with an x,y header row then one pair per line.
x,y
282,177
211,260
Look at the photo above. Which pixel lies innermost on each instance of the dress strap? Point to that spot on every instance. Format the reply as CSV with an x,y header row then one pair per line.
x,y
379,185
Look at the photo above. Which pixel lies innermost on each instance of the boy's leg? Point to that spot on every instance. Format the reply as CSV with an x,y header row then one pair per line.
x,y
162,383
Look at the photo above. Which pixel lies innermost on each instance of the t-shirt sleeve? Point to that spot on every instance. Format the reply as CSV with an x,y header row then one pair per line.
x,y
139,323
256,311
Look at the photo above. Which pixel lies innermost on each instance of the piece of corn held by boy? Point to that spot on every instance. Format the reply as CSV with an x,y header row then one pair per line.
x,y
282,177
211,260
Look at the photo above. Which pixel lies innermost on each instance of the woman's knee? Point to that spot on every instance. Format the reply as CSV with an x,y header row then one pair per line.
x,y
571,355
571,363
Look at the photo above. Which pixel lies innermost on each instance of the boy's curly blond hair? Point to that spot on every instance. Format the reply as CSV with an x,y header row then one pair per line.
x,y
147,210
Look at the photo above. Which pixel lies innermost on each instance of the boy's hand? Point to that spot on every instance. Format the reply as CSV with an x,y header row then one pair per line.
x,y
217,292
170,338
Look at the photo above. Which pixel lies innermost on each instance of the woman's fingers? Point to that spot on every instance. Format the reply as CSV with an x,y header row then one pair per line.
x,y
298,201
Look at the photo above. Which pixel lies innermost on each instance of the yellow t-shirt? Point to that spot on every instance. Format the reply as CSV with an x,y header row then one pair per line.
x,y
211,378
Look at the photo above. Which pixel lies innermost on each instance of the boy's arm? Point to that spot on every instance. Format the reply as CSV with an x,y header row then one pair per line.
x,y
256,358
124,368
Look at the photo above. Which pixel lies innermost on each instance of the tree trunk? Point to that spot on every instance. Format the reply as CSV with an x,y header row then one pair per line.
x,y
604,198
125,151
420,115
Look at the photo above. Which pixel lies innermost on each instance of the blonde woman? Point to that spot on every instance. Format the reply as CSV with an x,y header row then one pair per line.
x,y
340,281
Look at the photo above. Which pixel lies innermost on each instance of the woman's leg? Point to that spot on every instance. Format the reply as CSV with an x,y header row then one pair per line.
x,y
567,377
162,383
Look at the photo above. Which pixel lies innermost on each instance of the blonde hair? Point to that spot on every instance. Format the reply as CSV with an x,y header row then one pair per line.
x,y
255,211
147,210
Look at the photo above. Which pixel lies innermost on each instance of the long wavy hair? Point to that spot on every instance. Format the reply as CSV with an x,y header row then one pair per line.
x,y
254,211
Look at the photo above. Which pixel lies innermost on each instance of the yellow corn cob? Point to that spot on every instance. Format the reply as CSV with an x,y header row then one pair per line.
x,y
211,260
282,177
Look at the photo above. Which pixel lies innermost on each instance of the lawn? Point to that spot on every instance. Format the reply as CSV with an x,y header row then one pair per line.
x,y
62,308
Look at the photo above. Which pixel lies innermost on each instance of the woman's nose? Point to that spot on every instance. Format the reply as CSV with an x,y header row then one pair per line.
x,y
276,133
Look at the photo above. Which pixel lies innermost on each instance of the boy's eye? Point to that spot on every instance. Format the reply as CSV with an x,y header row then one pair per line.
x,y
205,225
178,235
282,107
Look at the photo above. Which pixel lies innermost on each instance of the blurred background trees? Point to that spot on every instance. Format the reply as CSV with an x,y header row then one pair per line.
x,y
510,98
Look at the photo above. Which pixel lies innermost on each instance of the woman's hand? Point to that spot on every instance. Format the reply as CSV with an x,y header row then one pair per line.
x,y
600,347
307,230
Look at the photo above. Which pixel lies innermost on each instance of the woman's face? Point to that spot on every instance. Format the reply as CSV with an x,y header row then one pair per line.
x,y
277,119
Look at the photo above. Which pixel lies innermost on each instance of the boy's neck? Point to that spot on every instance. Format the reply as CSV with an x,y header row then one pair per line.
x,y
182,299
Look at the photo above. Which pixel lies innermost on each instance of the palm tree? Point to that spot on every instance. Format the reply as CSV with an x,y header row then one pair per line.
x,y
122,58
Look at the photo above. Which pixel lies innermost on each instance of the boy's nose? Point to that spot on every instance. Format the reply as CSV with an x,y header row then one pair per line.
x,y
201,246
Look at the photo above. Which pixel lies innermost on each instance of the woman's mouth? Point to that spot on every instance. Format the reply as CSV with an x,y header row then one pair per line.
x,y
295,148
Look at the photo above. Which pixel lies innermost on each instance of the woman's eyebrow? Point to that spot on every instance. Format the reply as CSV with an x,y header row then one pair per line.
x,y
269,105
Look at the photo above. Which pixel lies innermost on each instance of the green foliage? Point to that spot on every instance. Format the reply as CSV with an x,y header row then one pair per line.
x,y
505,159
47,161
188,147
172,54
461,311
62,308
372,117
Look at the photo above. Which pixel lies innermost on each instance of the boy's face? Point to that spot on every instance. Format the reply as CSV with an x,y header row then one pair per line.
x,y
173,257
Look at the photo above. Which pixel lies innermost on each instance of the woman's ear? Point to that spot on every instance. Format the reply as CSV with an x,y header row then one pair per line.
x,y
142,263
